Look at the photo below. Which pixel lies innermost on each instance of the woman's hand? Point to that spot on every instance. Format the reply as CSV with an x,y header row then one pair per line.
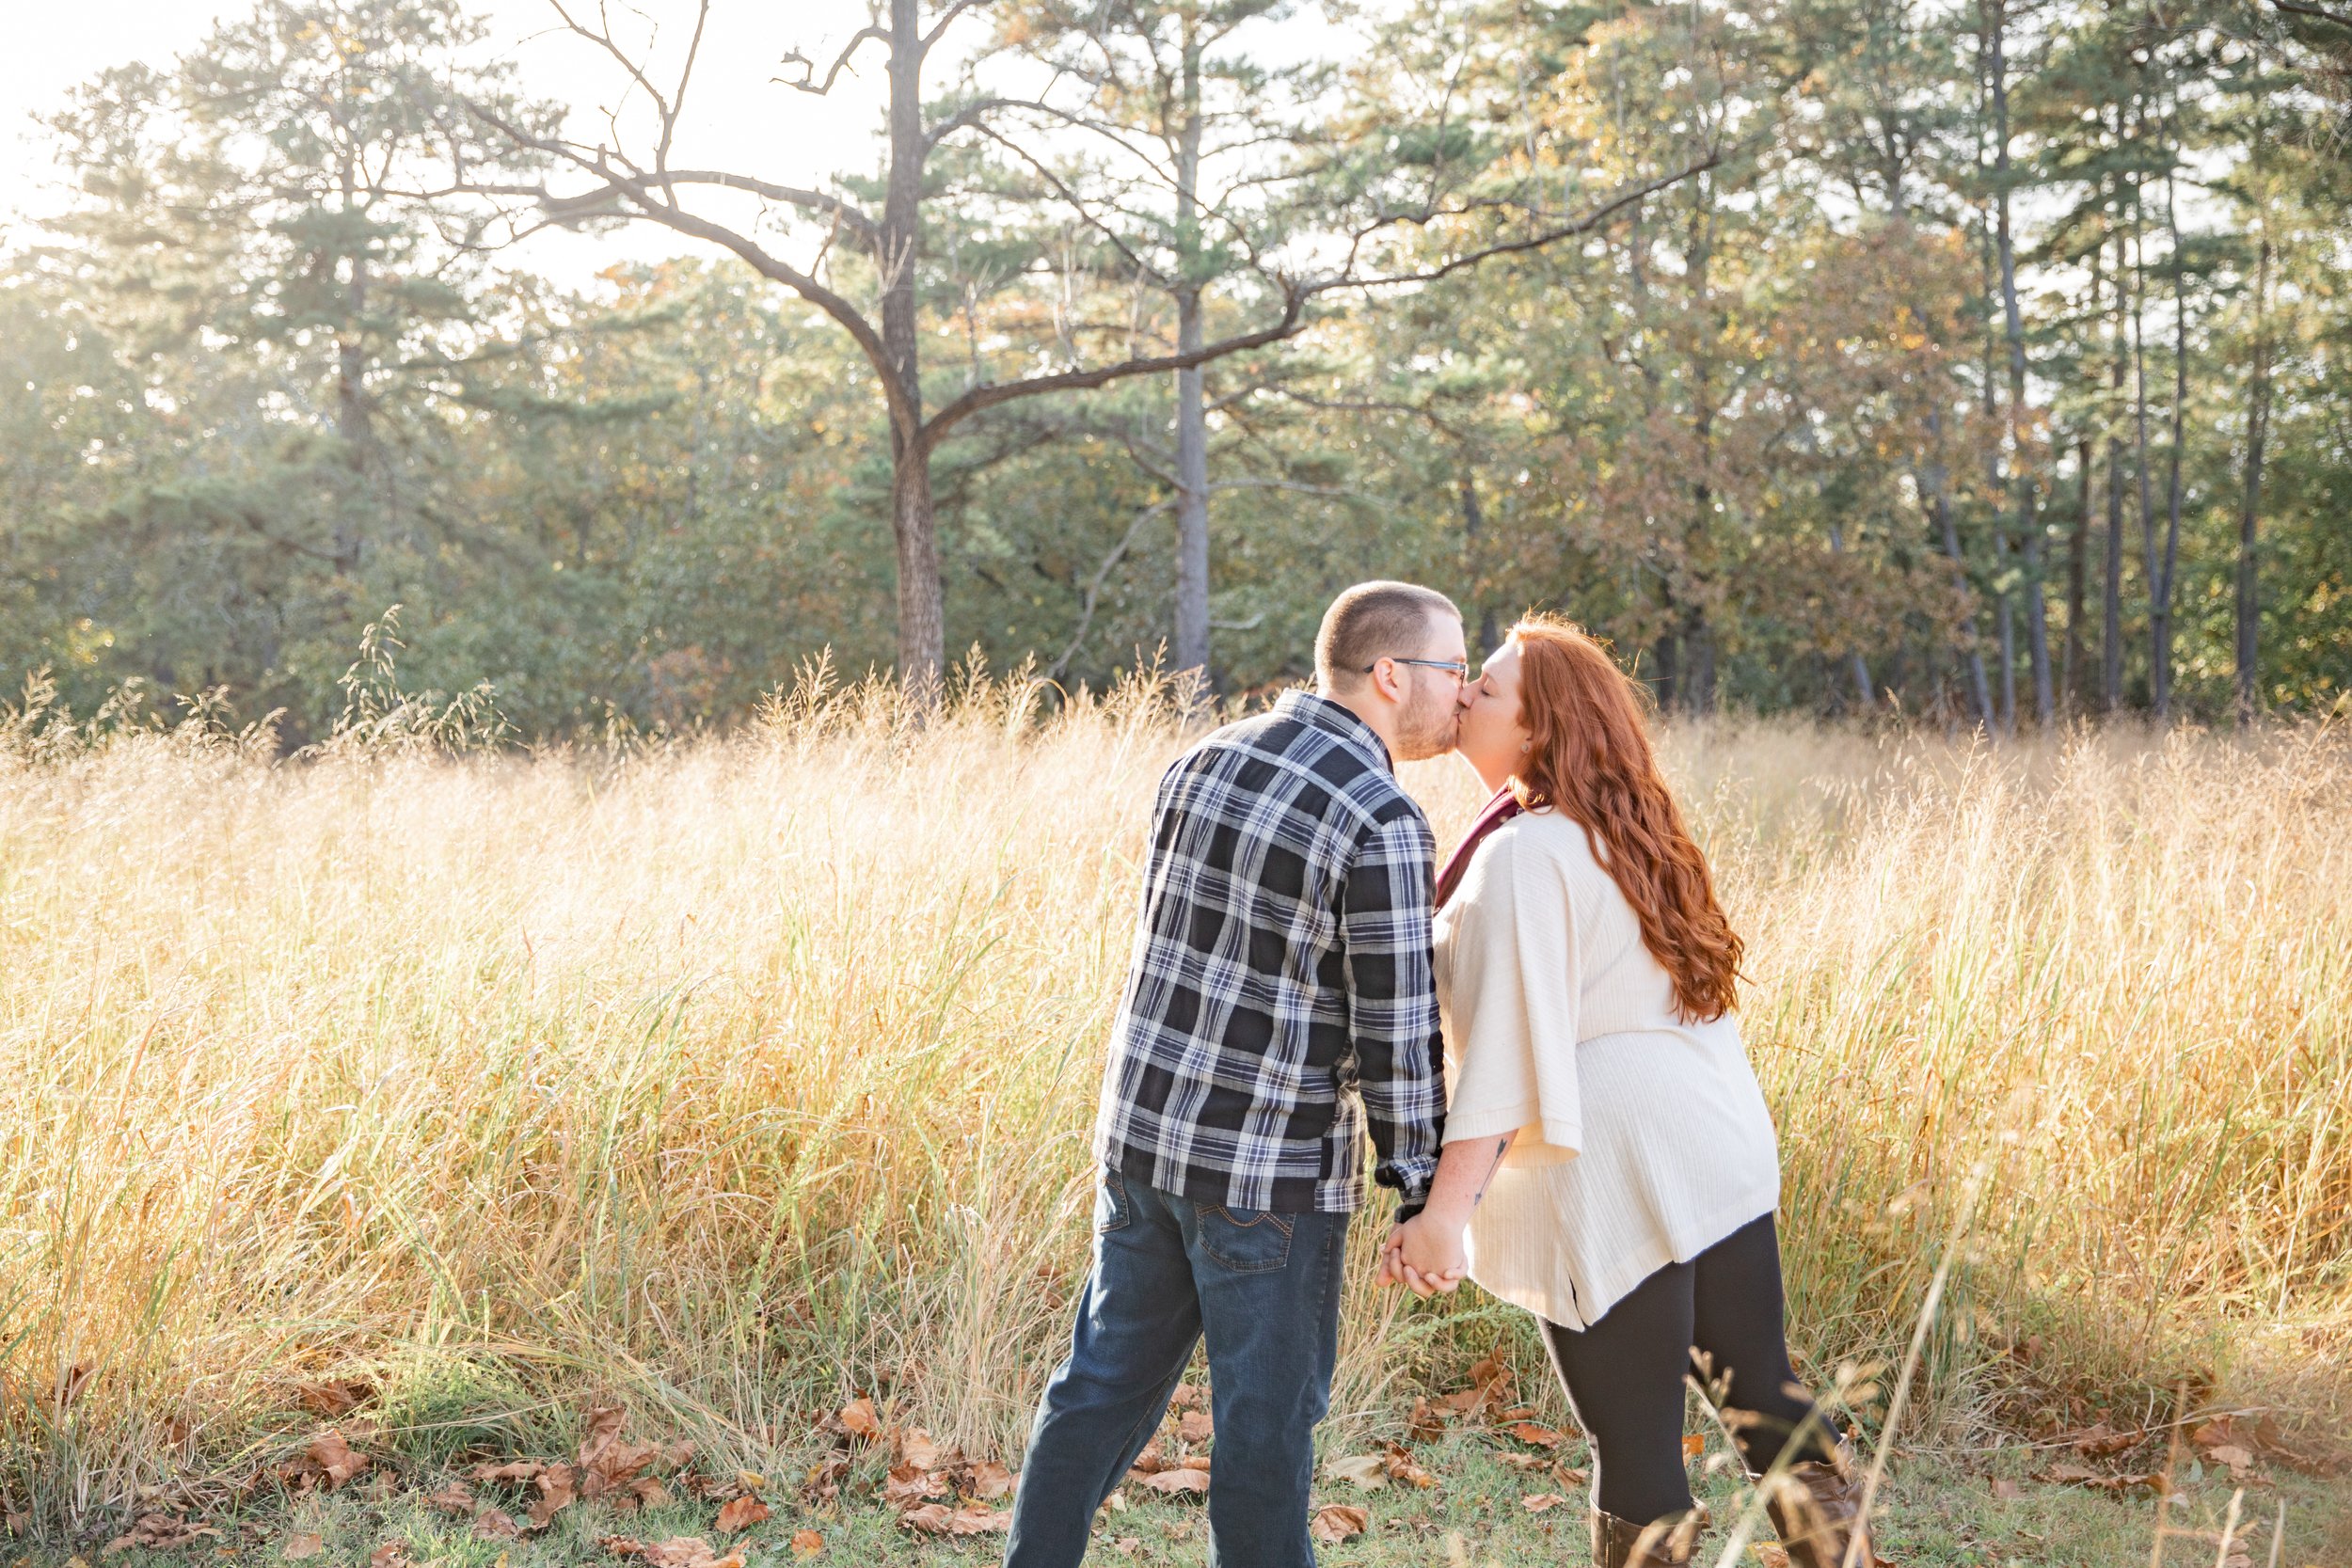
x,y
1424,1255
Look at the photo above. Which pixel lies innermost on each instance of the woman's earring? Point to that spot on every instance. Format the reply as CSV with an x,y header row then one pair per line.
x,y
1523,747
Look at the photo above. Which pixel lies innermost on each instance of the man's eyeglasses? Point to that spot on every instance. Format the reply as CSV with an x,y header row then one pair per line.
x,y
1458,668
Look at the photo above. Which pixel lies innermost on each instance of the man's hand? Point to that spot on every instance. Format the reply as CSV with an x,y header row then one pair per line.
x,y
1425,1255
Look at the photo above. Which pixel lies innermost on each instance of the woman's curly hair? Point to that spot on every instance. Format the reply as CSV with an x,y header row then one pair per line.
x,y
1589,757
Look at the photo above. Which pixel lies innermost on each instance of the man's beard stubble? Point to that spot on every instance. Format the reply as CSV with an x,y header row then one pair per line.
x,y
1429,726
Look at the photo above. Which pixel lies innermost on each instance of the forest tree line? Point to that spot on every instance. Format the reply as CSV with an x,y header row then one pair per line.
x,y
1966,358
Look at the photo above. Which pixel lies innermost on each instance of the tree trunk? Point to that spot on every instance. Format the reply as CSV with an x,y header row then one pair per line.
x,y
1939,489
2250,510
353,420
2139,400
2077,583
922,630
1192,419
1857,665
1473,524
2160,607
2021,477
1698,637
2111,600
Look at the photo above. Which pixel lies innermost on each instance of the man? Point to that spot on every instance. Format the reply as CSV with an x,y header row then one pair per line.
x,y
1279,1003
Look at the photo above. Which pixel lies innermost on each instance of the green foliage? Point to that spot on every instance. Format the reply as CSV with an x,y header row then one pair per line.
x,y
258,384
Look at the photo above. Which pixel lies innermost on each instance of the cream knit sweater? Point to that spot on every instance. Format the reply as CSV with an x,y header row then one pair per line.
x,y
1641,1140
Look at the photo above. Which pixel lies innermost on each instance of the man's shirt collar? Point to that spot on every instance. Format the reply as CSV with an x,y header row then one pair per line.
x,y
1324,714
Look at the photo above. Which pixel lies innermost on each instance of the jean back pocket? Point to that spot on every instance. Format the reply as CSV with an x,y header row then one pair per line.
x,y
1247,1241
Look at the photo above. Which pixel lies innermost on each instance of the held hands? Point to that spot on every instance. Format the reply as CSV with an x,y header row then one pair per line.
x,y
1425,1255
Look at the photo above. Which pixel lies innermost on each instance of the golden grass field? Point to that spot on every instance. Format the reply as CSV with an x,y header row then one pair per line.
x,y
740,1075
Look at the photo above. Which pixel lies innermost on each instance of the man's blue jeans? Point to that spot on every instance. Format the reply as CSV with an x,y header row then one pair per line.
x,y
1265,1288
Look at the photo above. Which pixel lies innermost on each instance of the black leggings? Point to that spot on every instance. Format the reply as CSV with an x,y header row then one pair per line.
x,y
1718,1318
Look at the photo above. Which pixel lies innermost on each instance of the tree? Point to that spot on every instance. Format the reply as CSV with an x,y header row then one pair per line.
x,y
891,240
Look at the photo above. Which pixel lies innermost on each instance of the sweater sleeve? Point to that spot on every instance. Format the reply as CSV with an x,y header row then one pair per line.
x,y
1514,984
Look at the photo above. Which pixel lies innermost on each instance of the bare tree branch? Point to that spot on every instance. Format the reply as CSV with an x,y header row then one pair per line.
x,y
1590,221
2318,13
685,78
945,18
650,206
1102,574
835,207
1292,322
808,83
1076,203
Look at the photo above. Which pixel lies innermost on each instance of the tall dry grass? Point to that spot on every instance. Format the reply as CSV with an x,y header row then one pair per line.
x,y
740,1074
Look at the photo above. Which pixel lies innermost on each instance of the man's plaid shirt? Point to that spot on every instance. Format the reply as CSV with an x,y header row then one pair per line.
x,y
1282,992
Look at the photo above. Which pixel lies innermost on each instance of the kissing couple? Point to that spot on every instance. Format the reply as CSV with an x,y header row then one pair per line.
x,y
1539,1040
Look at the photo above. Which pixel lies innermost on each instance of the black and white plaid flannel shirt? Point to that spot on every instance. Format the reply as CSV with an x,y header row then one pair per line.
x,y
1281,993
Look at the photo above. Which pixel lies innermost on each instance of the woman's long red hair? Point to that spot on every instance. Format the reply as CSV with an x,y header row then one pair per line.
x,y
1589,756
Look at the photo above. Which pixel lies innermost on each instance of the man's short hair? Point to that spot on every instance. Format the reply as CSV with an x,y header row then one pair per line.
x,y
1373,620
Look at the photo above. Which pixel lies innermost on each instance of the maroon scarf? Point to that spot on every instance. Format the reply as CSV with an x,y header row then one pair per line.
x,y
1498,811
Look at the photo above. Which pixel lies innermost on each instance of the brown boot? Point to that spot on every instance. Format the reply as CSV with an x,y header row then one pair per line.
x,y
1669,1542
1816,1512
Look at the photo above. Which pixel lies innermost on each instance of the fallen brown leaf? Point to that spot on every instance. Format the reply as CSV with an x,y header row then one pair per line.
x,y
333,1397
1196,1426
1769,1556
495,1524
1336,1522
2006,1489
1400,1466
2102,1441
2260,1437
1693,1446
518,1472
806,1542
1367,1470
1188,1395
160,1532
456,1500
1127,1545
1426,1424
978,1521
1170,1483
1541,1437
1569,1475
1150,1461
823,1482
678,1551
2154,1482
991,1481
929,1519
616,1468
905,1486
556,1494
741,1514
858,1420
1541,1503
302,1547
916,1448
392,1554
329,1461
600,1431
1524,1460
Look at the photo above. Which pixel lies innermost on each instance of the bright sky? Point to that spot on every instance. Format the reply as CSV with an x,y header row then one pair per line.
x,y
738,118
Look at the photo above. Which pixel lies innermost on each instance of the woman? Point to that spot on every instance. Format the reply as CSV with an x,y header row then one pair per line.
x,y
1607,1148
